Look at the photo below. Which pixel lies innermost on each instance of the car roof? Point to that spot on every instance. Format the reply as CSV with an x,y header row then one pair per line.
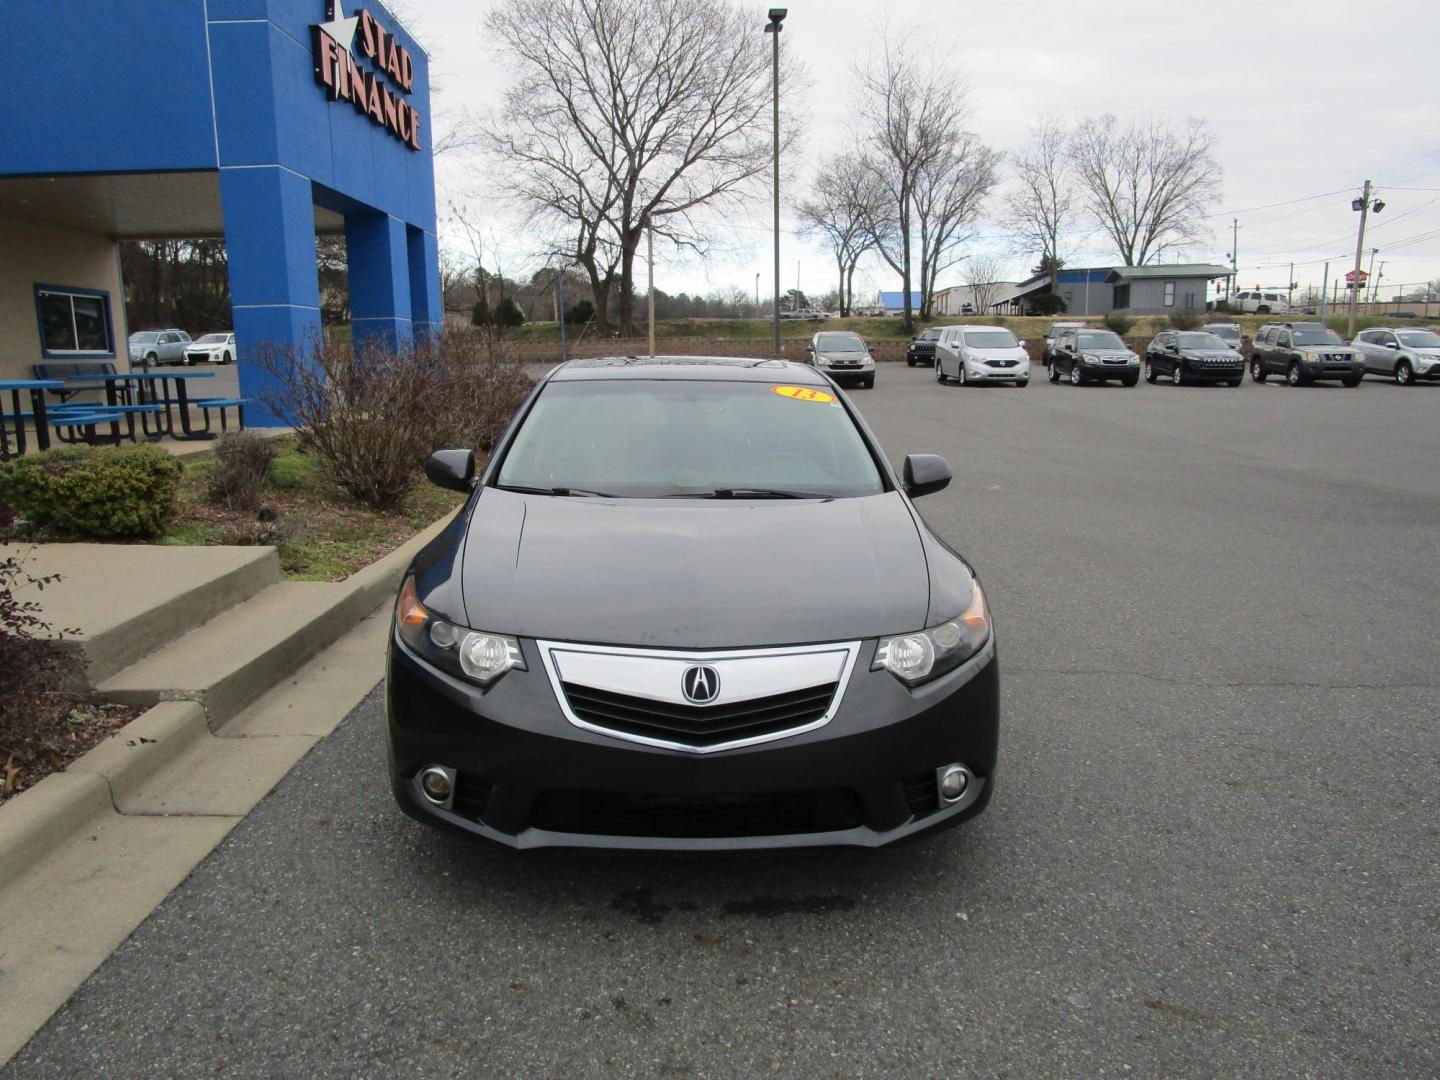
x,y
967,329
706,368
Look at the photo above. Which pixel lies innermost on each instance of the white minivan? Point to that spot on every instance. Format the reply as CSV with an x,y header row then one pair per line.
x,y
980,354
1261,302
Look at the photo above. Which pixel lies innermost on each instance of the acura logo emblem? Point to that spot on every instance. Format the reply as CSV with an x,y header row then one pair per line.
x,y
700,684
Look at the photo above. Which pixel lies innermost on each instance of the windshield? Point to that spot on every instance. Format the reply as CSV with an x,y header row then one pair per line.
x,y
1314,335
1200,341
1102,339
1419,339
1055,328
838,343
1227,333
145,337
667,438
991,339
213,339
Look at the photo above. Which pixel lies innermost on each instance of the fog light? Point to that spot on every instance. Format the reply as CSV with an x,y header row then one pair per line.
x,y
953,781
438,785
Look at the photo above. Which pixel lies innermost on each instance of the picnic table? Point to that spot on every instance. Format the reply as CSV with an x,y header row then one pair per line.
x,y
36,389
152,396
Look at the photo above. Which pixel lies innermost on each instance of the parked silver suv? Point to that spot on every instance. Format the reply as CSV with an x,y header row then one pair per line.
x,y
1404,353
158,346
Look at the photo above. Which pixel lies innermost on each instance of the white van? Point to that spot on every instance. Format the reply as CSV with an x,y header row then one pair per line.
x,y
1261,302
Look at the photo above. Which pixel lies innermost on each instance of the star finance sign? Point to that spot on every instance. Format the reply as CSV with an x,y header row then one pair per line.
x,y
339,69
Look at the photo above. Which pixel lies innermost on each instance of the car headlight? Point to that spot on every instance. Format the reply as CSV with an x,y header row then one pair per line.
x,y
928,654
1089,359
1132,358
478,656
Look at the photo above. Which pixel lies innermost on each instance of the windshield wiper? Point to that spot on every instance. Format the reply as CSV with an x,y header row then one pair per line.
x,y
750,493
566,491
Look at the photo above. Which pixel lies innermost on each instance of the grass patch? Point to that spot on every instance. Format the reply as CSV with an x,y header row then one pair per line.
x,y
320,533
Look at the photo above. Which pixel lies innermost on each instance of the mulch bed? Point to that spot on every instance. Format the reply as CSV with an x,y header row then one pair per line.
x,y
59,730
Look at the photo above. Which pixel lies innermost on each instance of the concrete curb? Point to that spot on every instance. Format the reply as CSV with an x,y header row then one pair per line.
x,y
39,820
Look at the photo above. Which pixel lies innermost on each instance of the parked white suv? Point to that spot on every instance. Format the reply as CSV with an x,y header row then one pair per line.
x,y
1261,302
980,354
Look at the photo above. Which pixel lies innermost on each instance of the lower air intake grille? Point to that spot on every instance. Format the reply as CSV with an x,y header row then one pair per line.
x,y
699,725
607,813
922,794
471,796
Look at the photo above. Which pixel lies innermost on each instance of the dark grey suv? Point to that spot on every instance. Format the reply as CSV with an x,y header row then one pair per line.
x,y
1303,353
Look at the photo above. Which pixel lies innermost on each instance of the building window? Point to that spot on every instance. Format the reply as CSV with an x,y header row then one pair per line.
x,y
1169,294
74,322
1122,297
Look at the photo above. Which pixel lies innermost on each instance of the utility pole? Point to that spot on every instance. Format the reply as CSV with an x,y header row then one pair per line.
x,y
560,307
757,294
1363,205
1234,256
1370,275
776,16
650,258
1290,287
1375,294
1324,288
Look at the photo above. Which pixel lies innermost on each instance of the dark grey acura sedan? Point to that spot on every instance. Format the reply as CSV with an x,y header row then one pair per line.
x,y
688,606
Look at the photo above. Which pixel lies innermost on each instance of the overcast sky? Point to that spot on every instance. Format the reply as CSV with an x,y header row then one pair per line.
x,y
1304,99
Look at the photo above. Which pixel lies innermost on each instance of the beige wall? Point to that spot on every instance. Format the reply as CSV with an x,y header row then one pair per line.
x,y
35,254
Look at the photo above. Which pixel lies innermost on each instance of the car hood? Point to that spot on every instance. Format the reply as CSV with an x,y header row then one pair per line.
x,y
1109,354
844,356
693,573
1211,354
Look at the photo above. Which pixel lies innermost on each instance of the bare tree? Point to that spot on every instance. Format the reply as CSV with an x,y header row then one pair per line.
x,y
949,189
1043,203
841,201
628,114
982,277
910,108
1146,184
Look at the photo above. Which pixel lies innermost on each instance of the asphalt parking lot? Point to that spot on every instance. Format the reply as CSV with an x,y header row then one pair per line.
x,y
1214,847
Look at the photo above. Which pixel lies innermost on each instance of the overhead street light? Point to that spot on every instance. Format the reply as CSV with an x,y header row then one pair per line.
x,y
777,16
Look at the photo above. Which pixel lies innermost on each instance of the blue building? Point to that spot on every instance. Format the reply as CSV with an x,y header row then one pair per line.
x,y
262,121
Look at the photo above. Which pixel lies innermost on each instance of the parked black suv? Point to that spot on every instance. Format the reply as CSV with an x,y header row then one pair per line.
x,y
922,349
1304,352
1192,356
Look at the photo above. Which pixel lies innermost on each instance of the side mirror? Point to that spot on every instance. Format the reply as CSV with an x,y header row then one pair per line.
x,y
809,348
925,474
1391,345
1022,343
453,469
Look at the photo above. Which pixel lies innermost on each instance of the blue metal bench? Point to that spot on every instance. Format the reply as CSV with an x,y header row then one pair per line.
x,y
74,418
222,403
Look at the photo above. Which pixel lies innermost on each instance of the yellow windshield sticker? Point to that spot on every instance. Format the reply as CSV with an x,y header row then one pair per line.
x,y
803,393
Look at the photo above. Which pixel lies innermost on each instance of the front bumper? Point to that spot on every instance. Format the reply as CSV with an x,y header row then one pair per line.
x,y
528,778
983,372
1331,369
1100,372
845,375
1215,372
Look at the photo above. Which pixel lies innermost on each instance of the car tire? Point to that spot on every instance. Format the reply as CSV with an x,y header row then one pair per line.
x,y
1150,373
1076,378
1257,370
1404,373
1263,309
909,361
939,373
1177,377
870,383
225,358
1351,380
1234,382
1021,383
1129,380
152,359
1295,374
1054,373
960,374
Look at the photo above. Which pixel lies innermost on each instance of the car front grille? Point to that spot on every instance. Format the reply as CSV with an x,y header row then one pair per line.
x,y
699,725
1002,363
610,813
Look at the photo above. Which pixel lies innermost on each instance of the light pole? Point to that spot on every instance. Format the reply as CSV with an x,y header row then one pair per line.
x,y
1363,205
777,16
757,294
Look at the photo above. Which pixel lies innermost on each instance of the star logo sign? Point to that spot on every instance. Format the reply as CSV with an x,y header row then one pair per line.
x,y
337,27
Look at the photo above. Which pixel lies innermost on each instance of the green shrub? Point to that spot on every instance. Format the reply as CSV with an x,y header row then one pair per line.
x,y
94,492
1184,320
1119,323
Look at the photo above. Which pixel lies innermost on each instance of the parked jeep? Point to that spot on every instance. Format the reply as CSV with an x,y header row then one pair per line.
x,y
922,349
1192,356
1304,352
